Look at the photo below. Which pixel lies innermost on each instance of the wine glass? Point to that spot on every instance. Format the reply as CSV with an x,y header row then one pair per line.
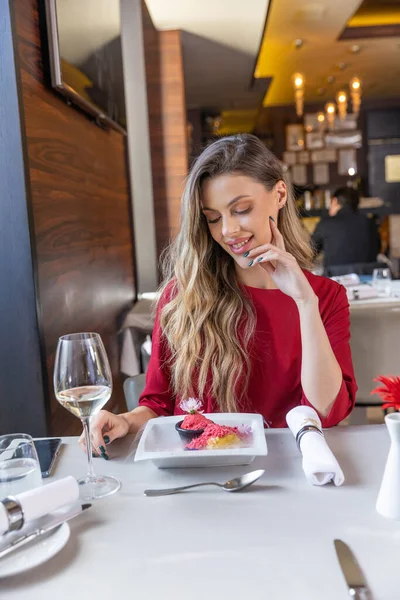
x,y
382,281
83,385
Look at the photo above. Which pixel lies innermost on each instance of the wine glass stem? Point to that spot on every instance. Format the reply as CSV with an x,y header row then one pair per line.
x,y
86,428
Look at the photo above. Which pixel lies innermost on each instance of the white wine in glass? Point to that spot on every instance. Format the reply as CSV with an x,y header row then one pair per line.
x,y
83,385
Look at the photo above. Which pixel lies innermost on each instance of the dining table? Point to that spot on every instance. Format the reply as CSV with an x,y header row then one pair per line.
x,y
274,540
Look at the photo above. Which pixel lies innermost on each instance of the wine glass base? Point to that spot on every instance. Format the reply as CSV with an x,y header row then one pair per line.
x,y
94,488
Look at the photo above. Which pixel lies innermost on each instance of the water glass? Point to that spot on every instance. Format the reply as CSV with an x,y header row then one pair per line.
x,y
382,281
19,464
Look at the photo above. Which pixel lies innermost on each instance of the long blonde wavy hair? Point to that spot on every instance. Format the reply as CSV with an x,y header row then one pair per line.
x,y
209,321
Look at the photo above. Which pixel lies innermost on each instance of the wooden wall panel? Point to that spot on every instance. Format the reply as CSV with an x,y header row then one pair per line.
x,y
167,122
81,215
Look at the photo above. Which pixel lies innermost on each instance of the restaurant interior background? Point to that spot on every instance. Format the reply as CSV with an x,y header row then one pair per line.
x,y
91,173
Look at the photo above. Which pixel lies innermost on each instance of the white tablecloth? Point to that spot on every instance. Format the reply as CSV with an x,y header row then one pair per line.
x,y
385,303
274,540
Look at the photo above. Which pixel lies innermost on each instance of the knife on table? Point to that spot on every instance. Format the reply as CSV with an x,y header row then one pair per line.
x,y
357,584
57,521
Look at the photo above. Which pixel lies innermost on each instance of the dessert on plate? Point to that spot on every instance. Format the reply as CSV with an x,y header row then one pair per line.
x,y
201,433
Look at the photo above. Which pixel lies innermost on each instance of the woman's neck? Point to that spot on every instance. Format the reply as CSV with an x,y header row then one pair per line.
x,y
256,277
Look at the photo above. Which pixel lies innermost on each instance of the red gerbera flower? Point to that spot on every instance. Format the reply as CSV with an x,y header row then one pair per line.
x,y
389,392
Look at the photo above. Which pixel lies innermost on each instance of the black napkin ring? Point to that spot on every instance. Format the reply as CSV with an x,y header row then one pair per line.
x,y
304,430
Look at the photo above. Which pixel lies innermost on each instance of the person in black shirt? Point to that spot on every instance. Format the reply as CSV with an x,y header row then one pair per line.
x,y
347,236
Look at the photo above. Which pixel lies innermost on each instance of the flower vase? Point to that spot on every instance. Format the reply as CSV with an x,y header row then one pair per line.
x,y
388,502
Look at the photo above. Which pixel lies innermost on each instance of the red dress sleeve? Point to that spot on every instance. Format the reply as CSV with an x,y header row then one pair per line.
x,y
157,393
336,318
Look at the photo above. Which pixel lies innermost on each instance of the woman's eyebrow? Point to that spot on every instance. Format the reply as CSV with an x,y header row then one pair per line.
x,y
229,203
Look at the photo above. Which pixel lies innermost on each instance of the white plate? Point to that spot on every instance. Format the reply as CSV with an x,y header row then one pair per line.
x,y
35,553
160,443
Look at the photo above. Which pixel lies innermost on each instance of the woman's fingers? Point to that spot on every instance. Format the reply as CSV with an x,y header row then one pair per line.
x,y
274,255
276,235
260,251
99,424
104,428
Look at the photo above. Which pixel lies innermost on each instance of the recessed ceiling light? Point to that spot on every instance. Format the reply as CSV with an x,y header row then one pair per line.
x,y
298,43
342,66
355,48
331,79
321,91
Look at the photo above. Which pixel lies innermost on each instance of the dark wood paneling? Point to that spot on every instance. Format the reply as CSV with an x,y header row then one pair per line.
x,y
167,123
371,31
22,397
383,123
389,191
81,215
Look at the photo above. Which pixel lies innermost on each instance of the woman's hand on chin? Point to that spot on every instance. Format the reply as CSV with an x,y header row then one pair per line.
x,y
282,267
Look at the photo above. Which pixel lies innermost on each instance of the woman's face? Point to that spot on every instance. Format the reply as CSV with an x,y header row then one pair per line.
x,y
237,209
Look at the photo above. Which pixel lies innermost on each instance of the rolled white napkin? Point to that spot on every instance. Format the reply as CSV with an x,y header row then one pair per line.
x,y
319,463
347,280
361,292
42,500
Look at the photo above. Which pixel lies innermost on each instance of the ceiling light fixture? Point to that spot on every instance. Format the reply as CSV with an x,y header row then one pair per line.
x,y
355,91
298,43
330,110
341,100
321,120
299,85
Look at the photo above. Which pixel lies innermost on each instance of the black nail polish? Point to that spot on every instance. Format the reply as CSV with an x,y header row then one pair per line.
x,y
250,263
272,219
94,455
260,259
246,254
106,439
103,453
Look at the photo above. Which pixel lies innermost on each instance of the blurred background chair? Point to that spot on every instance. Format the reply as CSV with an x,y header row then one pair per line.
x,y
135,335
375,335
359,268
133,387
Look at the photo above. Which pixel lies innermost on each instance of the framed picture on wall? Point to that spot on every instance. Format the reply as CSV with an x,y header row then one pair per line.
x,y
294,138
340,139
289,158
326,155
349,123
303,157
311,122
321,173
299,174
314,140
347,163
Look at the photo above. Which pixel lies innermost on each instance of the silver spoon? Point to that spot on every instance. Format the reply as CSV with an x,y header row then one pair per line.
x,y
234,485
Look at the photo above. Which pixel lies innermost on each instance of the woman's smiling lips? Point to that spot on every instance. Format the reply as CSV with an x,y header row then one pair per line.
x,y
238,247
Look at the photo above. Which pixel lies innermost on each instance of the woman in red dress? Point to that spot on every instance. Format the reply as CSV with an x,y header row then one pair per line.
x,y
242,323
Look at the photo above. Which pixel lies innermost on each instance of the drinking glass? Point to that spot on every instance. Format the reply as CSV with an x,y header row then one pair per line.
x,y
382,281
19,464
83,385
